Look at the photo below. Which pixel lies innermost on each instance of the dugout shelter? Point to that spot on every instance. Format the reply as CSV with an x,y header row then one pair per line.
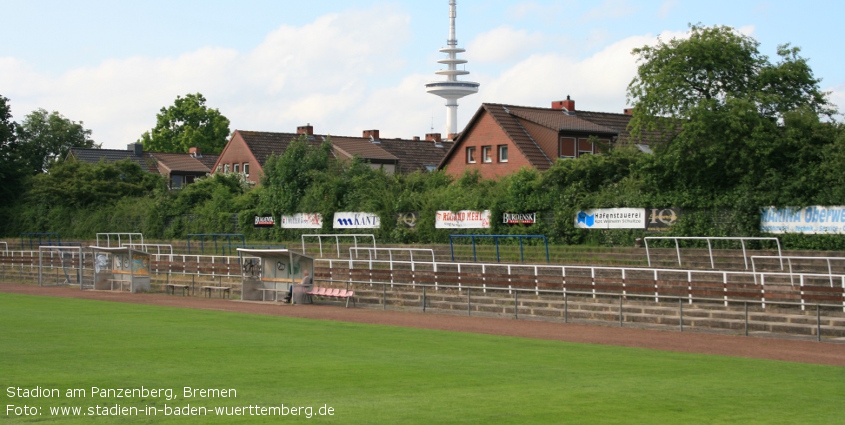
x,y
121,268
268,274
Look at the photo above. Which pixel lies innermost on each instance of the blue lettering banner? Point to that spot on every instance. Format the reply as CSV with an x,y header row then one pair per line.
x,y
809,220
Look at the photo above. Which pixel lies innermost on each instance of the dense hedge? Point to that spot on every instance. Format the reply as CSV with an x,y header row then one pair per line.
x,y
78,200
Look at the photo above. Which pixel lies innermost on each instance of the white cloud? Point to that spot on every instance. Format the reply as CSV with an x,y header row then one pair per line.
x,y
666,8
296,75
503,44
596,83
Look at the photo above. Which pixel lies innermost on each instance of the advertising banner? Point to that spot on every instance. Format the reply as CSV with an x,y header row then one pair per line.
x,y
809,220
265,221
302,221
661,219
355,220
517,218
407,220
611,218
462,220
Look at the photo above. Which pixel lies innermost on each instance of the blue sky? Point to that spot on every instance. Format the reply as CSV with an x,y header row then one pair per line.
x,y
349,66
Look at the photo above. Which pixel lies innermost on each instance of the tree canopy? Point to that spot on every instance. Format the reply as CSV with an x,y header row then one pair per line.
x,y
734,124
185,124
44,138
11,166
711,68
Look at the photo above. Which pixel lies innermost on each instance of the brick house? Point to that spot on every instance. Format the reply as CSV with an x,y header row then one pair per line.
x,y
247,151
501,139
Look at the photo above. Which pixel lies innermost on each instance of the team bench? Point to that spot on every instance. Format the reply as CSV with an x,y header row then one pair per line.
x,y
224,290
334,293
170,288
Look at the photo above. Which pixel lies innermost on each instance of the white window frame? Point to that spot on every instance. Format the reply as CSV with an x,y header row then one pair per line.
x,y
236,168
503,153
485,154
246,169
470,154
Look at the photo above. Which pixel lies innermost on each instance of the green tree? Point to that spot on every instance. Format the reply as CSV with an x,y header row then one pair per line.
x,y
712,66
79,184
12,169
288,176
185,124
726,114
46,137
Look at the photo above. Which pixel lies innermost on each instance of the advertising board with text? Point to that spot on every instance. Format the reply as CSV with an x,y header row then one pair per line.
x,y
462,220
611,218
302,221
355,220
809,220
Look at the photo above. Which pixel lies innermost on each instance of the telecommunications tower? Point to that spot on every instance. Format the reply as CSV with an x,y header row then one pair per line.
x,y
452,89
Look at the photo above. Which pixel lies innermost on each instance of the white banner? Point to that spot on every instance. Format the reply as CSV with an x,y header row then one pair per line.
x,y
462,220
356,220
611,218
809,220
302,221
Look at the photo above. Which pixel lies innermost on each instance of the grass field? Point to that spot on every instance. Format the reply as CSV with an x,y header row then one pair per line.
x,y
376,374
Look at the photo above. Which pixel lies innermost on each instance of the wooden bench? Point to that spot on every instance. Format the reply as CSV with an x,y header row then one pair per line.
x,y
275,292
224,290
170,288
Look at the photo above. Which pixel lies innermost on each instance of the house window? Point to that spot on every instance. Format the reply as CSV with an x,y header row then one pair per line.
x,y
503,153
567,147
226,168
471,155
585,147
246,169
176,181
236,168
485,154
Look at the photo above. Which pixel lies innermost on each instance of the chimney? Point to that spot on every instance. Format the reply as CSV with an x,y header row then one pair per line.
x,y
136,148
371,133
453,136
195,152
415,138
567,105
628,111
305,129
433,137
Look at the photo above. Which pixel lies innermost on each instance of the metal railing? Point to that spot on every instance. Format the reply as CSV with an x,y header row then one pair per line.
x,y
119,236
148,247
742,240
564,296
789,259
390,252
600,276
336,237
628,280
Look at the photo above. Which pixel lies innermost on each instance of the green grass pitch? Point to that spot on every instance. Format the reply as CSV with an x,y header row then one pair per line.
x,y
372,374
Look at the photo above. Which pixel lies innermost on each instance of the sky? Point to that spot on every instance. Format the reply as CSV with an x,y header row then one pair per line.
x,y
354,65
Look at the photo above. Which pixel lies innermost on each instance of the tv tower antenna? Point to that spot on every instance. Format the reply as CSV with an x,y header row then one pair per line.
x,y
452,89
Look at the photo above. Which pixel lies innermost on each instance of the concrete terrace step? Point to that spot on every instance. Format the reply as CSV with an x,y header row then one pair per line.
x,y
702,316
